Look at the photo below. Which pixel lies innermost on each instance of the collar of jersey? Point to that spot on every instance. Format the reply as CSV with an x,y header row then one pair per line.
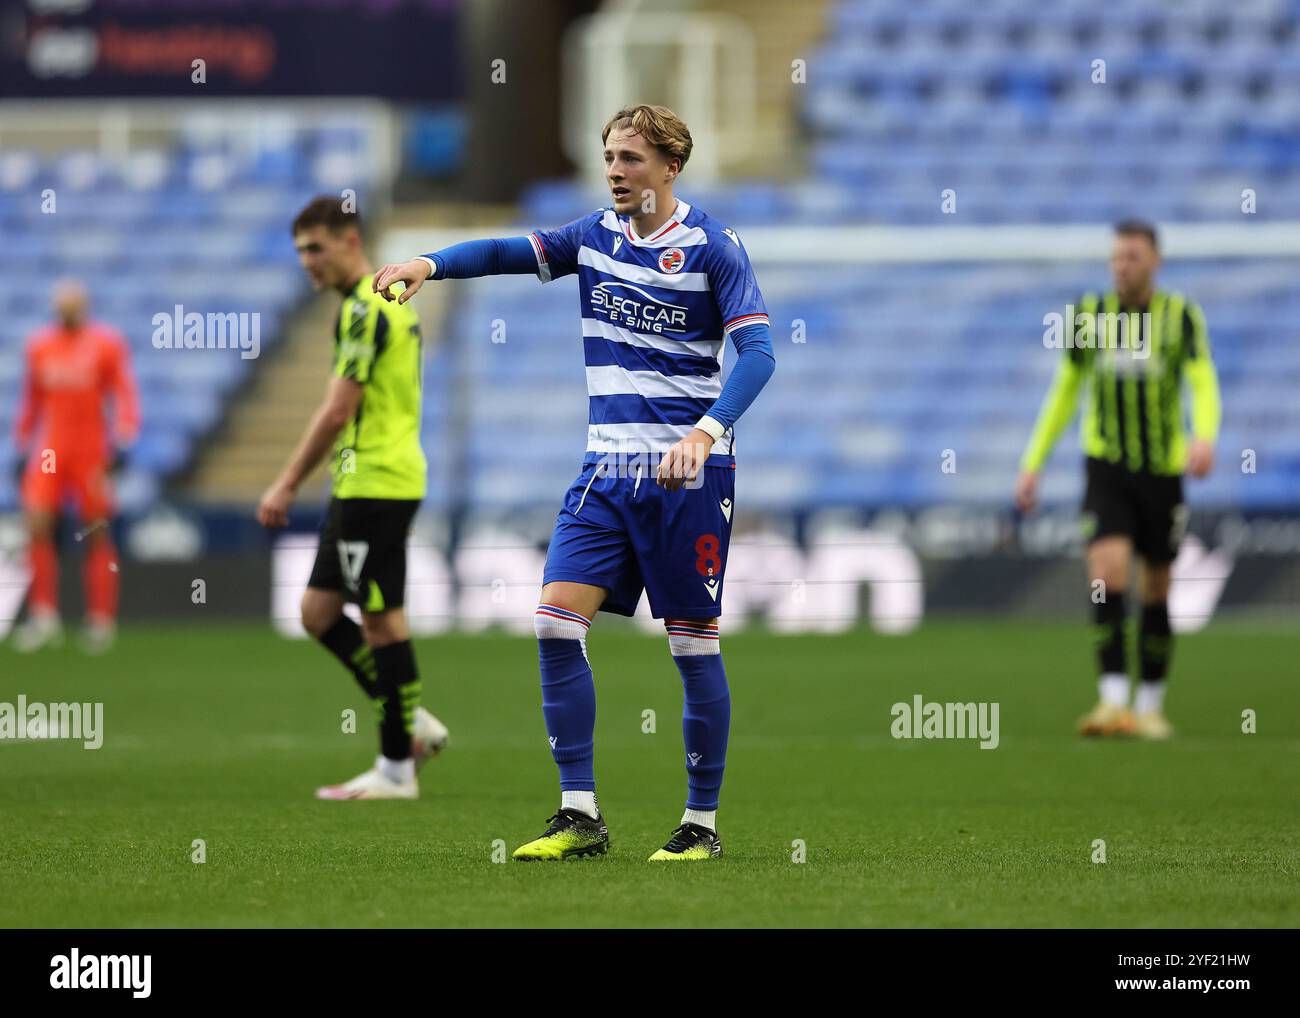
x,y
1156,296
658,236
354,291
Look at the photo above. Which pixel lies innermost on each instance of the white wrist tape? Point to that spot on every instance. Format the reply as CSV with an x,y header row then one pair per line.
x,y
711,427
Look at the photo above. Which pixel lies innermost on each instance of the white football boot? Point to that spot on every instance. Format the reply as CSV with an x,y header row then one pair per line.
x,y
38,631
429,738
370,785
97,638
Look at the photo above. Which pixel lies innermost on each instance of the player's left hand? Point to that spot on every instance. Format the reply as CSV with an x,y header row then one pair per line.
x,y
681,465
1200,457
273,510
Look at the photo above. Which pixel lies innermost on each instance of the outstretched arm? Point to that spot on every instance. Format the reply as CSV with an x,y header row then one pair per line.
x,y
473,258
548,253
468,260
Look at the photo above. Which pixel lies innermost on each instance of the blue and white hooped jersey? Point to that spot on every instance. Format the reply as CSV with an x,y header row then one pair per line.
x,y
655,316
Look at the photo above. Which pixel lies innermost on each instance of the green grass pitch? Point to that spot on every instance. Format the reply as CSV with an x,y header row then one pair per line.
x,y
222,734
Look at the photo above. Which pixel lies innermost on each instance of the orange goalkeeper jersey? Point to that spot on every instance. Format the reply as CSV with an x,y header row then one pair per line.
x,y
71,374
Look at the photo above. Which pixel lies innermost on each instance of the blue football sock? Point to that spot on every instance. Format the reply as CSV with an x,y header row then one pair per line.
x,y
568,694
706,716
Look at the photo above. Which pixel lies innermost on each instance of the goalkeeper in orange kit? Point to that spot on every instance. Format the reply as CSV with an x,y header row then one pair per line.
x,y
75,368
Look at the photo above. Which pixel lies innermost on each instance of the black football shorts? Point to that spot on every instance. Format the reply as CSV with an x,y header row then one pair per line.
x,y
362,551
1148,508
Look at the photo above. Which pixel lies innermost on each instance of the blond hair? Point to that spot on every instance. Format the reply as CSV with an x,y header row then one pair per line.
x,y
658,125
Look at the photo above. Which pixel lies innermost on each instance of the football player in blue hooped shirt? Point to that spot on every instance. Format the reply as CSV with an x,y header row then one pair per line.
x,y
660,285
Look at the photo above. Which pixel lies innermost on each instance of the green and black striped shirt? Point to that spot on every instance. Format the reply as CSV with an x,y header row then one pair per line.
x,y
1134,362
